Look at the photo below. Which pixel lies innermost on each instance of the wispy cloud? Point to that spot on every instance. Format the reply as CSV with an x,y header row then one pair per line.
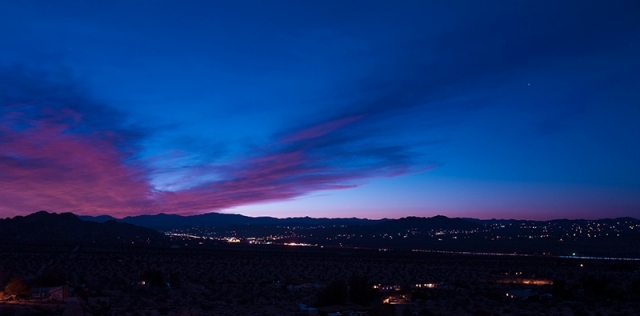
x,y
321,129
62,151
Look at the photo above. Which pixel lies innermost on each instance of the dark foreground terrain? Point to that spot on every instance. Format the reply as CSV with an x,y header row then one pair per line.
x,y
237,279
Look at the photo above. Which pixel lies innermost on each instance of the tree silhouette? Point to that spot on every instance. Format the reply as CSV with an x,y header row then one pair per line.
x,y
361,290
334,294
51,277
559,288
17,287
154,277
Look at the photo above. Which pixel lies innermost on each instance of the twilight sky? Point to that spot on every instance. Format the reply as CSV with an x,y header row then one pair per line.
x,y
505,109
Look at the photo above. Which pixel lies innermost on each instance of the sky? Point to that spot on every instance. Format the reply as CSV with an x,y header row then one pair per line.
x,y
371,109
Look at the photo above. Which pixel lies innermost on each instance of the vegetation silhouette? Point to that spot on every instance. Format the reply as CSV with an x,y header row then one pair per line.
x,y
17,287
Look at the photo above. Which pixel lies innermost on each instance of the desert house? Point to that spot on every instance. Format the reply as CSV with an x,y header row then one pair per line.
x,y
56,293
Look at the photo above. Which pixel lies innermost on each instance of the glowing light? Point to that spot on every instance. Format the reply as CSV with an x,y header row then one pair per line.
x,y
295,244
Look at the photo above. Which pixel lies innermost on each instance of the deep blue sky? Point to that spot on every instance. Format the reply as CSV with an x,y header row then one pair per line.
x,y
507,109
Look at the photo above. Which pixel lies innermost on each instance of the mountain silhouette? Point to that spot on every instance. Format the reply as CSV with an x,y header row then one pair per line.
x,y
44,227
170,221
427,223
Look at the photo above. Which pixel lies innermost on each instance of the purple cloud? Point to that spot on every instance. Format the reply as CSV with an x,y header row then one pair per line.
x,y
61,151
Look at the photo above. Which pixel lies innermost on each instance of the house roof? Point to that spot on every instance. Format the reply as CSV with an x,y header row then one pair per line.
x,y
342,308
519,293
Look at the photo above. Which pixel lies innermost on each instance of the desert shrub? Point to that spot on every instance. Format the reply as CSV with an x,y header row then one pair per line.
x,y
334,294
50,277
361,290
154,277
17,287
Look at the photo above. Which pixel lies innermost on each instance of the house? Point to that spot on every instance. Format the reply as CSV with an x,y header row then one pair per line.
x,y
519,294
342,310
57,293
304,310
387,288
397,299
139,283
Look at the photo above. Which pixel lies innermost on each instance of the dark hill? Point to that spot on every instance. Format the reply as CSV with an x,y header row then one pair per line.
x,y
171,221
427,223
44,227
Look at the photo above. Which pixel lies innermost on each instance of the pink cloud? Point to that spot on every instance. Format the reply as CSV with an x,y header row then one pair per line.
x,y
47,168
321,129
61,151
45,164
278,176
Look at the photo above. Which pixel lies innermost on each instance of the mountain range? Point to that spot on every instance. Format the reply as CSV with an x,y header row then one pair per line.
x,y
43,227
170,221
609,237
